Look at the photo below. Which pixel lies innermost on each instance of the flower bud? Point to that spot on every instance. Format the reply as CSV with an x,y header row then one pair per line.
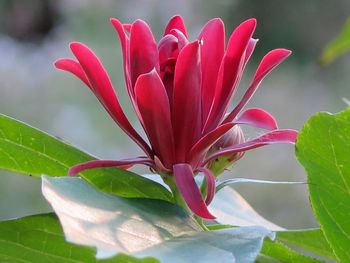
x,y
224,162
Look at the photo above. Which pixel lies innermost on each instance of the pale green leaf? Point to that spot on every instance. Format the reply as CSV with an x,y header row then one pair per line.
x,y
338,46
144,227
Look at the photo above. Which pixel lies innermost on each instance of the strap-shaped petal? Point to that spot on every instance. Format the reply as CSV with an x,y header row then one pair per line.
x,y
258,118
188,188
267,64
212,38
273,137
143,50
250,49
104,91
176,22
124,42
210,179
73,67
124,164
153,103
230,72
187,100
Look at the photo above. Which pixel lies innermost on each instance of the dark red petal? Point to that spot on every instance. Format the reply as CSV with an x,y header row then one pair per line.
x,y
103,89
188,188
124,42
143,50
273,137
176,22
267,64
166,48
258,118
212,37
210,179
230,72
202,146
187,100
153,103
73,67
127,163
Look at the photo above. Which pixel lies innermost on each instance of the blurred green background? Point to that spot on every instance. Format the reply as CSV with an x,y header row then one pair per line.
x,y
33,33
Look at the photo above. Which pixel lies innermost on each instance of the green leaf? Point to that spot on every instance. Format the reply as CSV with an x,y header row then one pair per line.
x,y
273,252
323,148
40,239
338,46
309,240
26,150
144,227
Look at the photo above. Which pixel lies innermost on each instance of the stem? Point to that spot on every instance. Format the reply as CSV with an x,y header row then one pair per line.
x,y
178,199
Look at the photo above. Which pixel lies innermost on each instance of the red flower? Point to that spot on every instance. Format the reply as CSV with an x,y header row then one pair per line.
x,y
181,91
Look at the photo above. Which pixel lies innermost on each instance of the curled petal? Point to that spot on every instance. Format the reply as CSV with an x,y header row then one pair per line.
x,y
153,103
185,182
258,118
212,37
250,49
182,39
187,117
230,72
210,179
143,50
202,146
73,67
273,137
176,22
102,87
267,64
125,164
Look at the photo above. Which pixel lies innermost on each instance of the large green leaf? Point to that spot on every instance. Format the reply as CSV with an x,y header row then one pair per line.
x,y
26,150
275,252
40,239
144,227
308,240
323,148
338,46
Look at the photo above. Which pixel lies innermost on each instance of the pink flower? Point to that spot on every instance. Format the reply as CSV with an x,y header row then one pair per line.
x,y
181,91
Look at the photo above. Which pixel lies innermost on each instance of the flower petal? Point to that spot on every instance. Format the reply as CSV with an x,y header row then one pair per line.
x,y
201,147
258,118
143,50
212,37
210,179
73,67
153,103
176,22
124,42
187,100
181,38
103,89
273,137
188,188
230,72
267,64
250,49
126,163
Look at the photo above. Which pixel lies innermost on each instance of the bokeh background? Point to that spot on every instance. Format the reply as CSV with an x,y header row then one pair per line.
x,y
33,33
